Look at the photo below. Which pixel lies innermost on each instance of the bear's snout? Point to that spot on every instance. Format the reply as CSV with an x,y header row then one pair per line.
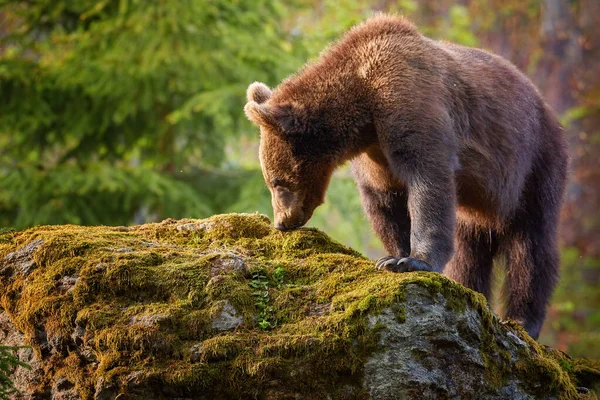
x,y
283,227
290,222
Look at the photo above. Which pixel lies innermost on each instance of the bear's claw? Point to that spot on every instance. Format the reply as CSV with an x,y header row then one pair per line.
x,y
406,264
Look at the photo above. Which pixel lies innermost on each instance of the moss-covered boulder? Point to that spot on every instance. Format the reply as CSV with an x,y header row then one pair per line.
x,y
228,308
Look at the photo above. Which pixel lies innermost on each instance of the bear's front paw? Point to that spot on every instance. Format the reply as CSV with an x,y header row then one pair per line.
x,y
406,264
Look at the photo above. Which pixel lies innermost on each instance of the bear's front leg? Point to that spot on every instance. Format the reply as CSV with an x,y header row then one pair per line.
x,y
386,206
405,264
432,231
387,211
433,218
428,173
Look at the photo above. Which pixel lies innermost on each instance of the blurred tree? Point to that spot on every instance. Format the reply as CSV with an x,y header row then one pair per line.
x,y
8,363
109,108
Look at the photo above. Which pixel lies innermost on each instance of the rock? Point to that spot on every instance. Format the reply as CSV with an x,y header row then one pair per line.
x,y
66,284
62,384
135,379
89,356
227,318
317,310
105,390
63,389
215,281
434,353
56,342
196,353
100,267
21,261
123,250
229,263
195,227
149,320
78,334
240,310
70,394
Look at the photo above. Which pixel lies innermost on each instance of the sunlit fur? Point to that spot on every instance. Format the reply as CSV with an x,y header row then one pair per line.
x,y
285,170
456,156
297,186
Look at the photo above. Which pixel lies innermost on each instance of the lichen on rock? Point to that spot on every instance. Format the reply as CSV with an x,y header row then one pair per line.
x,y
228,307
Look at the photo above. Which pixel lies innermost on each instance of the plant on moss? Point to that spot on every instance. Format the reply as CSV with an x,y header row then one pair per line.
x,y
260,283
8,362
196,239
279,276
565,365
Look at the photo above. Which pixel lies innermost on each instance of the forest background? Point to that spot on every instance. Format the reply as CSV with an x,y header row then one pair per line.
x,y
121,112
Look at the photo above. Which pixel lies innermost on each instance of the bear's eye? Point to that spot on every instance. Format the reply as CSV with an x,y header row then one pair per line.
x,y
276,183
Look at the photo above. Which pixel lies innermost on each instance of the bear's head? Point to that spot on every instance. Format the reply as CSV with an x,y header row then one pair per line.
x,y
294,157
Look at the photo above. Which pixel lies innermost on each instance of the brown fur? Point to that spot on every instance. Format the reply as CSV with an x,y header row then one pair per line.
x,y
456,156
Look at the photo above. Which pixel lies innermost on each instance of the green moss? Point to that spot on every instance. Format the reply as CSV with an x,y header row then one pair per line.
x,y
6,236
399,313
535,360
583,372
145,298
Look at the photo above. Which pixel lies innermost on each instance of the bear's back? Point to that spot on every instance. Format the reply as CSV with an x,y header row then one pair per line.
x,y
498,116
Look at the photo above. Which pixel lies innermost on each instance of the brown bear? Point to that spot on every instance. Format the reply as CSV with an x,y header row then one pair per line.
x,y
457,158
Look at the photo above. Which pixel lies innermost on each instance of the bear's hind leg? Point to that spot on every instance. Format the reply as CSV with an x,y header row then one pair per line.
x,y
530,239
532,273
530,245
474,252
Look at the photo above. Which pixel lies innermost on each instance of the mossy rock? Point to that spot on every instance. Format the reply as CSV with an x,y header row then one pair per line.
x,y
228,307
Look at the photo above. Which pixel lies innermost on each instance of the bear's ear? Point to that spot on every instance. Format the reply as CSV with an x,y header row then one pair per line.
x,y
259,114
258,92
285,118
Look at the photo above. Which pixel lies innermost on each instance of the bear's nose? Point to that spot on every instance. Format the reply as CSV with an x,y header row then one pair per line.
x,y
283,227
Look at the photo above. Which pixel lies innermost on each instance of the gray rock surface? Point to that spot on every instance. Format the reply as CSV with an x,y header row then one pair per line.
x,y
21,261
434,353
195,227
229,263
227,317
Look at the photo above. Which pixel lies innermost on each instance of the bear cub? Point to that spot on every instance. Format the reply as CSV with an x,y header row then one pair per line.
x,y
457,158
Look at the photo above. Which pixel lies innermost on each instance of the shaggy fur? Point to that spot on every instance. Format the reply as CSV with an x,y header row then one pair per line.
x,y
456,156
